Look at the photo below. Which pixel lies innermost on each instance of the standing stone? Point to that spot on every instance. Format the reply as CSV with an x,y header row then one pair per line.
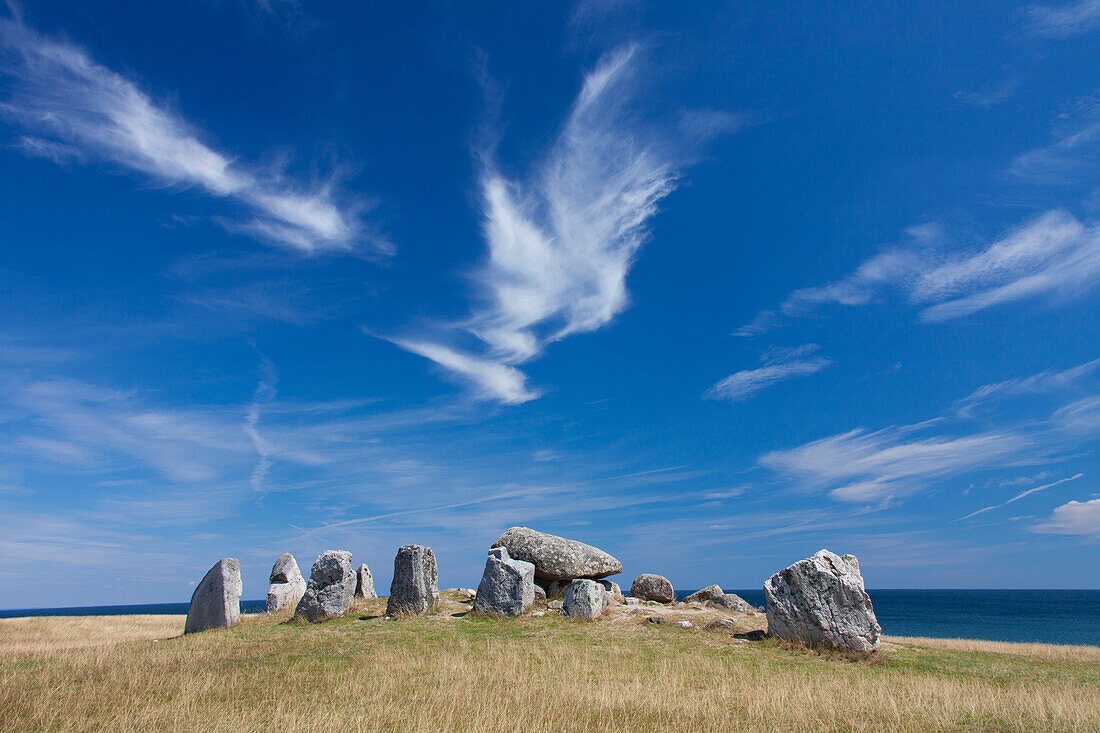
x,y
557,558
415,586
613,588
713,595
585,599
507,586
651,587
217,598
821,600
287,586
331,589
364,583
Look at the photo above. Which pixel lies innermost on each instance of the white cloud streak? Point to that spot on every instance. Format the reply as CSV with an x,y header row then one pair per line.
x,y
1053,255
1051,381
1065,21
560,243
1021,495
778,367
71,108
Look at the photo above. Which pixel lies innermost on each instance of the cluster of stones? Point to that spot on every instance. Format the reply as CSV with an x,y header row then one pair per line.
x,y
817,601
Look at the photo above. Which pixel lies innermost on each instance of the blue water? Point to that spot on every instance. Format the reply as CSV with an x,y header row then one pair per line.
x,y
1049,616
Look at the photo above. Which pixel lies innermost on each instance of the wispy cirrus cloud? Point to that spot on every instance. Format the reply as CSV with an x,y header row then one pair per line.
x,y
1067,20
779,365
70,108
1050,381
1021,495
1053,255
561,241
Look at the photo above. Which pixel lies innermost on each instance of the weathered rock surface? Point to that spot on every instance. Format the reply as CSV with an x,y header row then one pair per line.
x,y
657,620
557,558
714,596
584,599
286,584
507,586
217,598
415,586
331,589
821,600
726,624
651,587
684,624
364,583
613,588
540,596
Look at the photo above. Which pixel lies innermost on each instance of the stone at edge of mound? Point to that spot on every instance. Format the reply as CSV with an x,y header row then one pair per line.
x,y
585,599
714,595
331,589
507,586
364,583
216,601
286,584
557,558
653,587
415,586
821,600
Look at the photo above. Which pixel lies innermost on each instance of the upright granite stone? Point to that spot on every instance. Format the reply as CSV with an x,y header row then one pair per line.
x,y
821,600
415,586
613,588
557,558
585,600
287,586
507,586
364,583
652,587
331,588
217,598
714,595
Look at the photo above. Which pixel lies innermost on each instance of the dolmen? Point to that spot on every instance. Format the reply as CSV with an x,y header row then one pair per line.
x,y
331,589
713,595
507,586
364,583
415,586
653,587
557,560
821,601
585,600
286,584
216,601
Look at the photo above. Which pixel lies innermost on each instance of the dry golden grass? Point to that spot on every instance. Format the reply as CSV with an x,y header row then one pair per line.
x,y
1044,651
444,672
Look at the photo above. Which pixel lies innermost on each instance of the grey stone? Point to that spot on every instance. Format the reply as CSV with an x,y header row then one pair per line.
x,y
507,586
631,601
585,600
540,595
754,635
684,624
538,614
613,588
554,605
726,624
657,620
286,584
216,601
415,586
651,587
331,588
553,588
714,596
821,600
557,558
364,583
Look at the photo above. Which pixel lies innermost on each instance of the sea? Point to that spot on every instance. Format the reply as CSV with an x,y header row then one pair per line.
x,y
1047,616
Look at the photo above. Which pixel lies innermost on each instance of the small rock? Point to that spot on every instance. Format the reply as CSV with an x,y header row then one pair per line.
x,y
684,624
331,588
286,584
584,600
216,601
754,635
725,624
554,605
631,601
540,596
651,587
415,586
657,620
364,583
538,614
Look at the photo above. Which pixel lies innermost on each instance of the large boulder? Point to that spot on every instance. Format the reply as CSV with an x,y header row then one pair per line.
x,y
287,586
585,599
715,596
331,588
415,586
217,598
557,558
507,586
364,583
821,600
652,587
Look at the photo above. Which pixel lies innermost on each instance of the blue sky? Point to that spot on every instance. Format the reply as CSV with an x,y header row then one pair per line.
x,y
709,289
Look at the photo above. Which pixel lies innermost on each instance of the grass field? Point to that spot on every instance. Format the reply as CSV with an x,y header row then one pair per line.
x,y
449,671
